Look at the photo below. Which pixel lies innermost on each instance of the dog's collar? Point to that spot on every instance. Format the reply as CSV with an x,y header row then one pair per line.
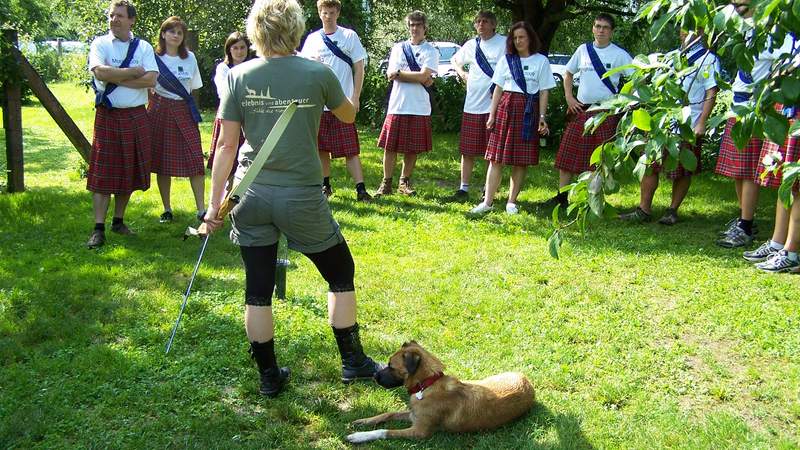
x,y
424,384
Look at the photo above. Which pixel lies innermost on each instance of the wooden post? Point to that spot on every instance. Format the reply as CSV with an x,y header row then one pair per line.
x,y
192,42
12,123
52,105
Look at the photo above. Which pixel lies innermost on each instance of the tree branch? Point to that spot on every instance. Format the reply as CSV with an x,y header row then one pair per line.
x,y
602,8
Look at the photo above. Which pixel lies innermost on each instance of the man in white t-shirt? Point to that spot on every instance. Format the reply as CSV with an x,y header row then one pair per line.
x,y
407,128
701,96
481,54
340,49
591,60
120,159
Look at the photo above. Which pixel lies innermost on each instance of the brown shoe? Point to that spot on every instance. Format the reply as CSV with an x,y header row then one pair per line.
x,y
405,187
385,188
96,239
121,228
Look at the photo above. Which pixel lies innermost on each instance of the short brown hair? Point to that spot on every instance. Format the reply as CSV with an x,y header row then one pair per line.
x,y
417,16
534,43
169,24
233,38
329,4
124,3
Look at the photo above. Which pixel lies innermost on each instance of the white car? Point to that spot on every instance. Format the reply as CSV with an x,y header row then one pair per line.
x,y
446,52
558,64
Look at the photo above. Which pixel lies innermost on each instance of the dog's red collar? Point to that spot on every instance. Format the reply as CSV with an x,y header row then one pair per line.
x,y
425,384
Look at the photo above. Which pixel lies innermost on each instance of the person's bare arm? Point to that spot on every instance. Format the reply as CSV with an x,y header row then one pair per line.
x,y
224,158
345,112
573,105
115,75
148,80
358,83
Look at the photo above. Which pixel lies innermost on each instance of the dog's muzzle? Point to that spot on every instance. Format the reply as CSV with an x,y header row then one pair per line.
x,y
387,378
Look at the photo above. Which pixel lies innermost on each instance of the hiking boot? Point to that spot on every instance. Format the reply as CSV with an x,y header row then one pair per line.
x,y
121,228
96,239
405,187
779,262
638,215
363,196
481,208
511,208
273,380
670,217
166,217
327,191
355,364
736,237
461,195
385,188
762,253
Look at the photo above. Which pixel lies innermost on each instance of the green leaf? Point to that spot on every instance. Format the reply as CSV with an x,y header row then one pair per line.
x,y
641,167
688,159
776,127
741,134
794,130
641,119
596,203
597,156
554,243
790,87
660,23
555,216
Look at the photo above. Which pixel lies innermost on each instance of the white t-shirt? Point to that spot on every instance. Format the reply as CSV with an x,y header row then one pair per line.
x,y
591,88
697,83
107,50
762,66
478,99
221,78
411,98
185,70
348,41
538,75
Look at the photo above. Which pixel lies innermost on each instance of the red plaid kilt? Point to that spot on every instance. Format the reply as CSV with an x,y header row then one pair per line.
x,y
790,150
336,137
405,133
474,136
177,150
733,163
680,171
214,136
575,150
120,159
506,145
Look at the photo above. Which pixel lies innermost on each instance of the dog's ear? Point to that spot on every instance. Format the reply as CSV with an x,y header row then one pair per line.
x,y
411,362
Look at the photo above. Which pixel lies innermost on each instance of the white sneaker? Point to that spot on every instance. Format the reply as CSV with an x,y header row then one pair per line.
x,y
481,208
511,208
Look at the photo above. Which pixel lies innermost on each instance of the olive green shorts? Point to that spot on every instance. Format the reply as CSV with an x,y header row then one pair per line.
x,y
300,212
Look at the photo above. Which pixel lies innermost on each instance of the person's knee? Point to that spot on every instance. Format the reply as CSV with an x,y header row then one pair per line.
x,y
258,300
337,267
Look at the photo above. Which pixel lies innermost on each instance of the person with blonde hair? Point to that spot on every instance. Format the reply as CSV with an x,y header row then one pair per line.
x,y
123,68
340,49
177,151
286,196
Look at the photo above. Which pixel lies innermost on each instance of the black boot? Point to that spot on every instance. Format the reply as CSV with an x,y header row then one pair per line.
x,y
355,364
273,378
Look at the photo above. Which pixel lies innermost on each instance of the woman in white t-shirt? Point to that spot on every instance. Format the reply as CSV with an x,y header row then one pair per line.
x,y
237,50
177,151
517,116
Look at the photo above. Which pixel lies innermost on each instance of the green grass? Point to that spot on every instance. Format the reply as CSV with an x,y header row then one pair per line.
x,y
639,337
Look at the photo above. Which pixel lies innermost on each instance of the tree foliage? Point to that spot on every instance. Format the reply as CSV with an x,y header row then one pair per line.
x,y
654,108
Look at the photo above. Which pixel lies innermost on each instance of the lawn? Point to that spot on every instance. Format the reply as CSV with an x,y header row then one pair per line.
x,y
640,336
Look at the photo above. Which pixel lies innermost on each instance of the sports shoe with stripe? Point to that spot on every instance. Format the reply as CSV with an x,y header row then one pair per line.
x,y
779,262
736,237
762,253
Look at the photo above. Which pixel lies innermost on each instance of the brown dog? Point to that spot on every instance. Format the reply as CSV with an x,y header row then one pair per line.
x,y
443,402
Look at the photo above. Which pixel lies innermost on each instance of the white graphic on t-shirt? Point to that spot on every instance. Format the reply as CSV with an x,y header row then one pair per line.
x,y
260,102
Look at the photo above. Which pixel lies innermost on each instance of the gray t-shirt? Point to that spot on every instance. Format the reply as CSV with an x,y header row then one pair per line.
x,y
257,93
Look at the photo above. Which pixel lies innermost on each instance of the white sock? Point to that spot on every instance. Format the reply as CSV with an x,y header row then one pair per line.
x,y
464,187
792,256
775,245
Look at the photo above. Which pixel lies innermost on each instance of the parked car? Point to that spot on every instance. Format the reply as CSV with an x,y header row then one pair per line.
x,y
446,52
558,64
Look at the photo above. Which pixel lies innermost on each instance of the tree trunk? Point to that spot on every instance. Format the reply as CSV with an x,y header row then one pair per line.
x,y
544,19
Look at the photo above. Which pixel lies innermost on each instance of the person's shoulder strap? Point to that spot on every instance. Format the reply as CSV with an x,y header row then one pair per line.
x,y
101,98
599,68
335,48
408,52
171,83
480,59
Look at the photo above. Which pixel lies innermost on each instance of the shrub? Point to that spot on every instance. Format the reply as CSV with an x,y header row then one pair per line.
x,y
46,61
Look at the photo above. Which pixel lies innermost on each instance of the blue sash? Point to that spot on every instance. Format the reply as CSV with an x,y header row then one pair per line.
x,y
515,66
170,82
483,63
599,68
408,52
790,111
101,98
701,51
335,48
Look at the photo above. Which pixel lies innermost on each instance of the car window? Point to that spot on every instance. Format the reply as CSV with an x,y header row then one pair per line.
x,y
445,53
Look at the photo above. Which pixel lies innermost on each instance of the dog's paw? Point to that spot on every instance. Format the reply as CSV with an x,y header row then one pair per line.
x,y
366,436
360,422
